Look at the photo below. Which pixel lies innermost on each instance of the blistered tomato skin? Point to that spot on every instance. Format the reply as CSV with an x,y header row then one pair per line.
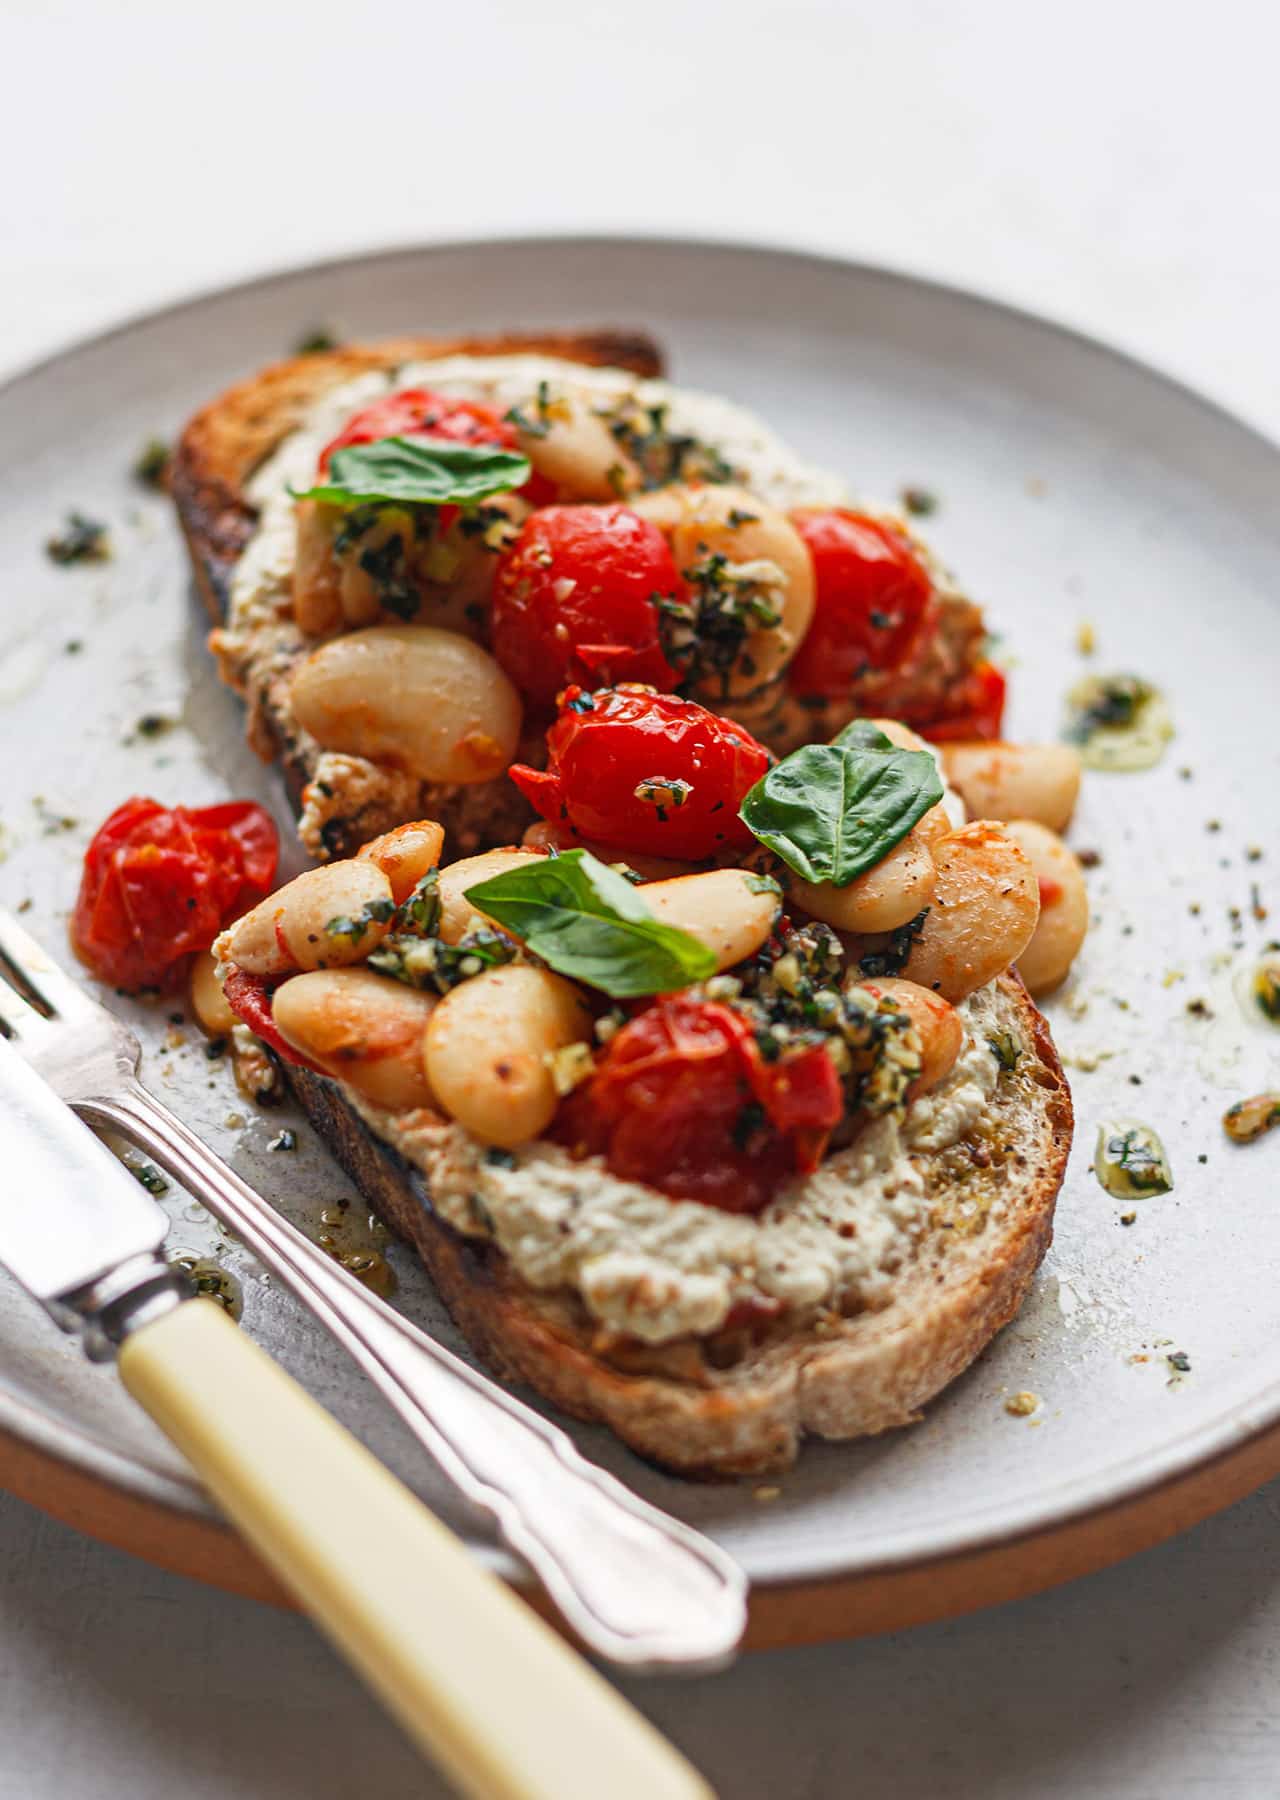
x,y
159,883
683,1100
872,600
418,412
645,772
576,599
977,708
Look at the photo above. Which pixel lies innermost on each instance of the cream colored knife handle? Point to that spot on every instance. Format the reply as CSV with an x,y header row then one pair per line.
x,y
502,1703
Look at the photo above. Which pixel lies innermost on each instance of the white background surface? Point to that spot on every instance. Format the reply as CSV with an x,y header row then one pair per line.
x,y
1112,165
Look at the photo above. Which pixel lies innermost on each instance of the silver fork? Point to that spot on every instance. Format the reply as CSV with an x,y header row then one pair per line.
x,y
635,1585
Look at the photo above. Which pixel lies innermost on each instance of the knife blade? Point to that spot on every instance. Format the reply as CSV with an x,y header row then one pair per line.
x,y
70,1212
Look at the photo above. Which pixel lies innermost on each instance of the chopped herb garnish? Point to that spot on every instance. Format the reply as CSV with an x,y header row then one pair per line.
x,y
1006,1049
286,1139
315,341
893,958
84,540
662,455
499,1159
538,423
919,501
150,1177
152,463
373,912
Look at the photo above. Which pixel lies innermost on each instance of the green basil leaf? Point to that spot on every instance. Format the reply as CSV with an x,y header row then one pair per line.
x,y
422,471
861,734
586,921
831,812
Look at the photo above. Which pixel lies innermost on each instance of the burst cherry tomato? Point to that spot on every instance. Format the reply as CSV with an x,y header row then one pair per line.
x,y
872,598
161,882
417,412
575,598
976,707
682,1099
645,771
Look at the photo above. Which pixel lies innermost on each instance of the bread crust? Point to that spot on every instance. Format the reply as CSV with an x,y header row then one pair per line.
x,y
215,456
829,1377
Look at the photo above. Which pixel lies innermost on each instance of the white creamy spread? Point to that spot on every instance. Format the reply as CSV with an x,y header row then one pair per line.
x,y
260,588
657,1268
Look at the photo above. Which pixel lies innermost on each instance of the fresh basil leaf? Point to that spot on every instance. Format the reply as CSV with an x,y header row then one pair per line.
x,y
422,471
861,734
832,813
586,921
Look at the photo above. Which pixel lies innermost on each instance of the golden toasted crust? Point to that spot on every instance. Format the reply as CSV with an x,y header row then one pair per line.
x,y
214,458
746,1412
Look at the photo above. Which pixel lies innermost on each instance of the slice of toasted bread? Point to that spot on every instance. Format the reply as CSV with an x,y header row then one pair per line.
x,y
736,1404
212,462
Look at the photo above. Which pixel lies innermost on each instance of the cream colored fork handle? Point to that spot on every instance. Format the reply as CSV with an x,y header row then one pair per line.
x,y
495,1696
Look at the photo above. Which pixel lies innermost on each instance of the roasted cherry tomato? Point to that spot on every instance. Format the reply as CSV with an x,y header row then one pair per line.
x,y
978,707
417,412
872,594
576,597
161,882
683,1099
645,771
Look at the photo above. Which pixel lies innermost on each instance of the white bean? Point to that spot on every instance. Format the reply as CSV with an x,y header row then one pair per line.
x,y
290,929
405,855
886,896
317,600
488,1049
542,835
425,701
574,448
1064,906
983,912
935,1019
208,1002
457,914
1016,781
361,1028
719,908
702,522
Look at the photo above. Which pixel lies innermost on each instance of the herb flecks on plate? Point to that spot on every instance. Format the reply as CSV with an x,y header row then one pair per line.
x,y
83,540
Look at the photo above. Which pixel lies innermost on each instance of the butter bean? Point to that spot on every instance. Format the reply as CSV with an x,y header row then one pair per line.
x,y
935,1019
886,896
719,908
208,1002
488,1049
1064,906
405,855
290,929
576,450
425,701
362,1029
701,522
1016,781
456,912
982,915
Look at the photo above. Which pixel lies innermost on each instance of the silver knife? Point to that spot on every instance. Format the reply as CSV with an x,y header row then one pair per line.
x,y
76,1229
471,1672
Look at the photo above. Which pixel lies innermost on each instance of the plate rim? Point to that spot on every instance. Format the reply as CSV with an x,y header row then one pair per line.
x,y
1244,1423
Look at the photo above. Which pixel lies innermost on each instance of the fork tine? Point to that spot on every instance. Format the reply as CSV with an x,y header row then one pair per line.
x,y
32,974
18,1018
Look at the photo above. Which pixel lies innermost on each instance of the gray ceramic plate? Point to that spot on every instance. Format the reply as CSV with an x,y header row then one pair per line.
x,y
1074,486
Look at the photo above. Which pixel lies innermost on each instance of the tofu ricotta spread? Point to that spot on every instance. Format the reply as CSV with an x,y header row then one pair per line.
x,y
655,1268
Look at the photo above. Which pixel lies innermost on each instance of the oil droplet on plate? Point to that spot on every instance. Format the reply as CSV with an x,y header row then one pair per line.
x,y
1118,722
1130,1161
210,1279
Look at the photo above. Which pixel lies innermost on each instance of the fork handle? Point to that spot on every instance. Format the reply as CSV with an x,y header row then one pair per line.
x,y
473,1675
635,1585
